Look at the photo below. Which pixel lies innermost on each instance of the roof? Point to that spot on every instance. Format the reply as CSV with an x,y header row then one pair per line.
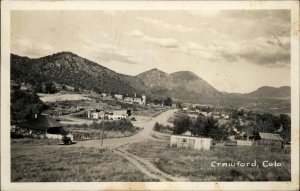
x,y
270,136
187,133
42,122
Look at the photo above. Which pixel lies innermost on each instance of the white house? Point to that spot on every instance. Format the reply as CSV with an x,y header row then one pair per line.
x,y
118,115
119,96
197,143
97,115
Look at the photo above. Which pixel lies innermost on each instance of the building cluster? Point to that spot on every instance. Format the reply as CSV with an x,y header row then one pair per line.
x,y
109,115
130,99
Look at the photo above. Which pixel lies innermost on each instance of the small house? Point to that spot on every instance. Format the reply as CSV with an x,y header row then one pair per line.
x,y
197,143
270,139
118,96
118,115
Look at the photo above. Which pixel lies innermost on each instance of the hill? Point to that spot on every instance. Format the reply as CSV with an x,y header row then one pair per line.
x,y
183,85
72,70
270,92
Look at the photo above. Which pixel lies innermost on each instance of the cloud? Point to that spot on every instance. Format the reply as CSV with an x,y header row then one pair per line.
x,y
30,48
164,25
135,33
163,42
263,51
116,56
269,52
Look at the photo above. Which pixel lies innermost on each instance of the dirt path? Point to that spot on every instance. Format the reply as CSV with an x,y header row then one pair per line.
x,y
148,168
146,124
143,165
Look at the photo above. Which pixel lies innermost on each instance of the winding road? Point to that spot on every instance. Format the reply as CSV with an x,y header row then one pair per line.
x,y
117,144
146,125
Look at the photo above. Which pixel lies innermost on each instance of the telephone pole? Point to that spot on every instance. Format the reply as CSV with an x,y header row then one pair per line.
x,y
103,128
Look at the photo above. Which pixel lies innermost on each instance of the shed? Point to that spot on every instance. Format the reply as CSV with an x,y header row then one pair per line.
x,y
271,139
198,143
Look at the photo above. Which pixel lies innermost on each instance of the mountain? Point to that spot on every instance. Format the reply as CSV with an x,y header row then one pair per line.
x,y
72,70
269,92
184,85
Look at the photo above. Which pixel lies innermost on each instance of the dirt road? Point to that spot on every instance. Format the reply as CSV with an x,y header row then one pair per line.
x,y
145,123
143,165
147,167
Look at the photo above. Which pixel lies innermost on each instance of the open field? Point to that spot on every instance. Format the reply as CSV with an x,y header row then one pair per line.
x,y
45,161
62,97
196,165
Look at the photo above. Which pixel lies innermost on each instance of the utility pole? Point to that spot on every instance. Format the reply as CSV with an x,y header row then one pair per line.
x,y
103,128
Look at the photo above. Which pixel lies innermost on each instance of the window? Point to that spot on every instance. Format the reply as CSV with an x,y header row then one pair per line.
x,y
184,140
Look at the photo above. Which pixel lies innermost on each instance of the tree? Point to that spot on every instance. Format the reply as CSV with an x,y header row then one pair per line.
x,y
24,105
49,88
182,124
198,128
167,101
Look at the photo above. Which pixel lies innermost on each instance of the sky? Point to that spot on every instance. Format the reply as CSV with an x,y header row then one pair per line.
x,y
233,50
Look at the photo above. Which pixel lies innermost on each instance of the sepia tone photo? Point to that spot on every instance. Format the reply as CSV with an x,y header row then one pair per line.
x,y
125,95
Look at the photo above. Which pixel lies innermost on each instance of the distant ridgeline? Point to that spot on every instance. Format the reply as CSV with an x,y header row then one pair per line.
x,y
68,69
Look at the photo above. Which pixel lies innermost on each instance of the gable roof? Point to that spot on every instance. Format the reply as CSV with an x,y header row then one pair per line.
x,y
187,133
42,122
270,136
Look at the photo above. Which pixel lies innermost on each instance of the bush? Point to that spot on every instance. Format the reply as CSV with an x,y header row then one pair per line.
x,y
161,128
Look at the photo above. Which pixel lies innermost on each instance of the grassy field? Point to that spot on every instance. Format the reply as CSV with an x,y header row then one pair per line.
x,y
61,97
196,165
45,161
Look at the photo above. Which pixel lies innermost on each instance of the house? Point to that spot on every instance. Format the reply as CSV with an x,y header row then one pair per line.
x,y
97,115
26,87
197,143
118,115
270,139
139,100
45,125
118,96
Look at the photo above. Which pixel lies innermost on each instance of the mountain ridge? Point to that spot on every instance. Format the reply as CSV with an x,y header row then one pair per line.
x,y
70,69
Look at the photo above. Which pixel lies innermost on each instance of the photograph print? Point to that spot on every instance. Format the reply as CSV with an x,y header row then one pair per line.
x,y
150,95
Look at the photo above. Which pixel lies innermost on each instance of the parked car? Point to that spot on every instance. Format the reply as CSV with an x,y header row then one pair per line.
x,y
66,140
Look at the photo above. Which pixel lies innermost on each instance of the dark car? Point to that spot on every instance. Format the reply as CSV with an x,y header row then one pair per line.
x,y
66,140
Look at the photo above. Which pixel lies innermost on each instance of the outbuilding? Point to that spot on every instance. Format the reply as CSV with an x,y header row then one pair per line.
x,y
270,139
198,143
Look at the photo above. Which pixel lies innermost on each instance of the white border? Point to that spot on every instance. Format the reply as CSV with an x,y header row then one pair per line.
x,y
6,7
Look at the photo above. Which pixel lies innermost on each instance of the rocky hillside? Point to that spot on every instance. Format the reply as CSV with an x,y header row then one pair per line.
x,y
182,84
70,69
269,92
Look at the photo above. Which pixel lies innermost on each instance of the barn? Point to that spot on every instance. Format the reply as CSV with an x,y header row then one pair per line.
x,y
198,143
270,139
44,125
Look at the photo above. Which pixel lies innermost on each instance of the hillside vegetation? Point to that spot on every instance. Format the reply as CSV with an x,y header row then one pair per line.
x,y
70,69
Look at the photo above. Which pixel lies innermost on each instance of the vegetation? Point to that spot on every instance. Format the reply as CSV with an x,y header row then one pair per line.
x,y
202,126
52,163
24,105
80,72
112,129
196,165
162,128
